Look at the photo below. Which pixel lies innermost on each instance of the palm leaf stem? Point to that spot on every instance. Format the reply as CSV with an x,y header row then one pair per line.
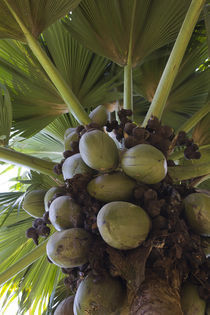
x,y
194,120
34,163
23,263
66,93
167,79
179,172
128,77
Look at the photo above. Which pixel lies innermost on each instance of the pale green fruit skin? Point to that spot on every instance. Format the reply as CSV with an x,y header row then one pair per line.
x,y
102,297
99,151
68,131
65,213
111,187
69,248
123,225
144,163
33,203
73,136
50,193
191,302
99,115
197,211
75,165
65,307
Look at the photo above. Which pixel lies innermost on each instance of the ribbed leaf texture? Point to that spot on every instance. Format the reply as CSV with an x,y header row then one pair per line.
x,y
201,133
104,26
189,91
36,15
5,115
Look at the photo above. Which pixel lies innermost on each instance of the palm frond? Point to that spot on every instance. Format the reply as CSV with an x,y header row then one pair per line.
x,y
201,133
60,293
34,98
207,22
38,280
87,74
57,128
36,15
190,89
5,115
43,146
105,27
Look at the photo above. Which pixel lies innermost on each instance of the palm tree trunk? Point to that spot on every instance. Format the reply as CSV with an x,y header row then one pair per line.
x,y
157,297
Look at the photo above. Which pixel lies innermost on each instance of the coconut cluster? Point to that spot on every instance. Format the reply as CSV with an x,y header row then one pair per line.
x,y
118,199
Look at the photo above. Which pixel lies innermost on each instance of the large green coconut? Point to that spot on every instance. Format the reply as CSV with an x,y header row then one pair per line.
x,y
65,213
99,115
65,307
123,225
50,194
99,151
33,203
69,248
72,136
68,132
144,163
191,302
111,187
197,211
99,297
75,165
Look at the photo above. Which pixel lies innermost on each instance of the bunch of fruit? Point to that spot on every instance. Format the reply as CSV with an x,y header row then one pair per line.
x,y
117,195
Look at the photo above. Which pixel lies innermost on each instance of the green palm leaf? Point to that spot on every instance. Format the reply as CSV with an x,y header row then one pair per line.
x,y
105,26
5,115
36,14
38,280
34,98
201,133
57,128
43,146
87,74
190,89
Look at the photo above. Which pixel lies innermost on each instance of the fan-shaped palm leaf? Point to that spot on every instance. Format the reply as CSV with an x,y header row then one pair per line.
x,y
34,98
15,248
36,15
87,74
5,115
207,22
105,26
60,293
43,146
190,89
201,133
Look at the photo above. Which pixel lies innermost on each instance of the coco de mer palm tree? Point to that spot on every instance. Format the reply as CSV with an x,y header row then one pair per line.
x,y
139,246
